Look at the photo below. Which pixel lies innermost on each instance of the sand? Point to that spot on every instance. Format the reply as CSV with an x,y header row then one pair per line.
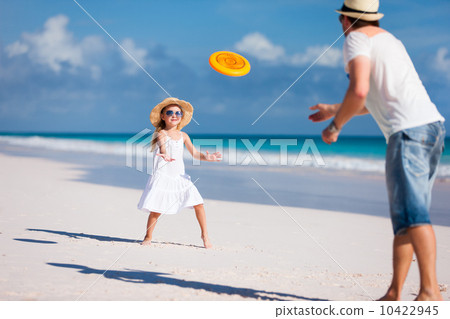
x,y
65,237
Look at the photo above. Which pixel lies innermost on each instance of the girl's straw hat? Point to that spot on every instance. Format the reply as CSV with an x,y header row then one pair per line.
x,y
186,108
366,10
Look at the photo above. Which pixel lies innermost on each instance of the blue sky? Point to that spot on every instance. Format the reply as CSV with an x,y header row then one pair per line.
x,y
59,72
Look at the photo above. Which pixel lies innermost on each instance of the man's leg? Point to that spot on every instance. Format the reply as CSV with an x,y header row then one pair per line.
x,y
402,258
424,243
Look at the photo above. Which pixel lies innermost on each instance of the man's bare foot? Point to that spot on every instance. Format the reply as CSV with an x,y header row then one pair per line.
x,y
146,242
206,242
429,296
390,296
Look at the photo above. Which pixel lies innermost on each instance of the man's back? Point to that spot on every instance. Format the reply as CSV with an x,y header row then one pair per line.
x,y
397,98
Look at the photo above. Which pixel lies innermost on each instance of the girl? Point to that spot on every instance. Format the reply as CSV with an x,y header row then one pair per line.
x,y
169,189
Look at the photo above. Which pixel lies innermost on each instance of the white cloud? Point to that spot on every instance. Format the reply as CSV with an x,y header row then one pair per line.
x,y
331,58
16,48
55,47
260,47
442,62
138,53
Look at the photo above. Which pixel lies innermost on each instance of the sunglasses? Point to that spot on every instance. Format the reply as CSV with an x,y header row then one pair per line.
x,y
177,113
341,18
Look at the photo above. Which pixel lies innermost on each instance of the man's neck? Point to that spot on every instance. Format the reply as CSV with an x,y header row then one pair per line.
x,y
369,30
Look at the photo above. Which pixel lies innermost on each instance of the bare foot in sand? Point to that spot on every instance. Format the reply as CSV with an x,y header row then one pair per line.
x,y
146,242
206,242
390,295
429,296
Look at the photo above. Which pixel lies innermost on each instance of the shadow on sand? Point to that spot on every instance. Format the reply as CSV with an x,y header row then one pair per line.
x,y
83,235
150,277
36,241
99,238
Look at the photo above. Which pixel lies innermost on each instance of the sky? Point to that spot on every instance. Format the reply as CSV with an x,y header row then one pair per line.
x,y
61,72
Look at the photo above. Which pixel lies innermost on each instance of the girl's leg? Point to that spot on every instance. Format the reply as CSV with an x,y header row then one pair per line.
x,y
201,217
403,254
151,223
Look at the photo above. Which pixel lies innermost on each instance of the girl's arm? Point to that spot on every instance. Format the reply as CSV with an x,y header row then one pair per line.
x,y
161,139
215,157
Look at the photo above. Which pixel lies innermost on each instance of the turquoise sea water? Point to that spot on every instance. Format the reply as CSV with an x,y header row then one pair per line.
x,y
357,153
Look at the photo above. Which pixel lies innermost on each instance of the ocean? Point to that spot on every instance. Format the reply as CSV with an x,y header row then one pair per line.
x,y
363,154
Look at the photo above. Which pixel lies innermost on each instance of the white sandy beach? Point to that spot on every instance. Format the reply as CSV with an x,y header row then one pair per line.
x,y
64,237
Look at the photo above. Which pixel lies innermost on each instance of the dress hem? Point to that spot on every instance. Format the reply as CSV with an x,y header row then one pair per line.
x,y
147,210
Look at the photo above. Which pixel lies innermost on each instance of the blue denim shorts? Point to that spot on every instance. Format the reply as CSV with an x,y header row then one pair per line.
x,y
412,158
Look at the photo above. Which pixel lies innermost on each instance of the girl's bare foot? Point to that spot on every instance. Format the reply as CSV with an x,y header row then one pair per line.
x,y
206,242
146,242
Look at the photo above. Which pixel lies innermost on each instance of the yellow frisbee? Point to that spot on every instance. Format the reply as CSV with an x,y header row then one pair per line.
x,y
229,63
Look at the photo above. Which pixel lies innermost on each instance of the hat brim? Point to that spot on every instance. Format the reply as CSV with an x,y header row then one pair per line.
x,y
362,16
186,108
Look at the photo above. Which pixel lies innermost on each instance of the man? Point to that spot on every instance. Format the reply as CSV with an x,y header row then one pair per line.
x,y
384,83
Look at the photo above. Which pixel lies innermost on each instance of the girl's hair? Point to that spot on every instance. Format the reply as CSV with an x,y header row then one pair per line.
x,y
161,126
361,23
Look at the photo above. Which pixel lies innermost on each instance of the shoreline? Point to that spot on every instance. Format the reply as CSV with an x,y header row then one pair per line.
x,y
361,160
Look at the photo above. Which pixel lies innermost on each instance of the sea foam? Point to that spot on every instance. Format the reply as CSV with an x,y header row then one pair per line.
x,y
233,158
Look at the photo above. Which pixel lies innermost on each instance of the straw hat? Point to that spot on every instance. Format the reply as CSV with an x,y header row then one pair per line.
x,y
186,108
366,10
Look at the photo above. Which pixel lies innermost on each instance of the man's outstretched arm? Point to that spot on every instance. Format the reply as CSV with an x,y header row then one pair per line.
x,y
355,98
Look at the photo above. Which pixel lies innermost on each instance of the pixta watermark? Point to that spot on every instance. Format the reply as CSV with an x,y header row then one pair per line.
x,y
235,151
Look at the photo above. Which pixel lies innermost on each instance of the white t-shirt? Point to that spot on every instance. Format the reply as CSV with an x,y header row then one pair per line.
x,y
397,98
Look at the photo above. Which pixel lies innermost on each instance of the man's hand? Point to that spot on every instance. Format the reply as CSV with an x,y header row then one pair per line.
x,y
329,137
325,112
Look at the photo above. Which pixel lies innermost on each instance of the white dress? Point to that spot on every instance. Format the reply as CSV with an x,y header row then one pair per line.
x,y
169,189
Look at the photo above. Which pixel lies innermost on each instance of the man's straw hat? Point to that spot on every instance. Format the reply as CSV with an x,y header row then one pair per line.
x,y
186,108
366,10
